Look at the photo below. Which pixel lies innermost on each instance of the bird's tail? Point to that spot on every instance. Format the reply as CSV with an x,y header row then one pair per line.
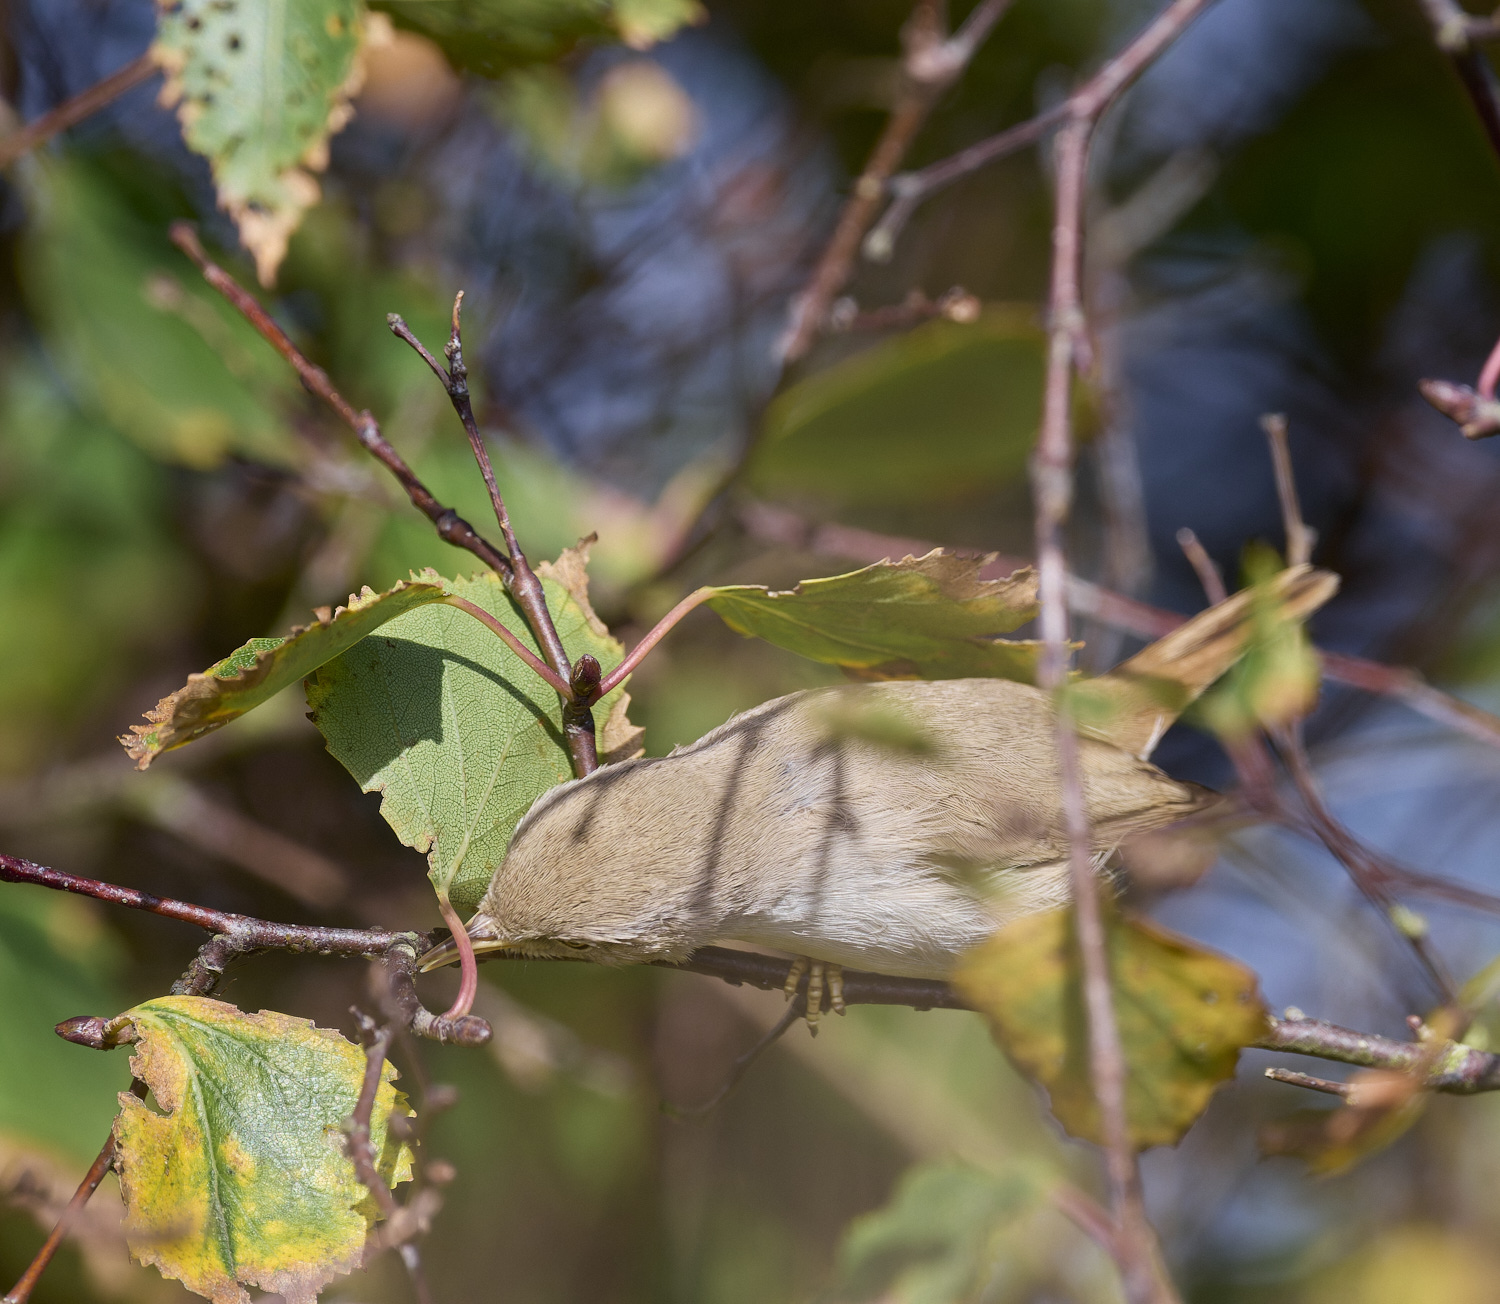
x,y
1140,698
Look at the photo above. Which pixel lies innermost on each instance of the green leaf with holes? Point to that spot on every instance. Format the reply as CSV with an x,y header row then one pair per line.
x,y
1184,1013
931,617
261,668
454,731
240,1176
261,86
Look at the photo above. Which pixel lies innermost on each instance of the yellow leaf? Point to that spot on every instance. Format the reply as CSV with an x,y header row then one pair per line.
x,y
244,1179
1184,1013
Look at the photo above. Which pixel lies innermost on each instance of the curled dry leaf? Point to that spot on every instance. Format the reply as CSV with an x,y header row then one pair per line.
x,y
929,617
261,668
243,1179
1184,1013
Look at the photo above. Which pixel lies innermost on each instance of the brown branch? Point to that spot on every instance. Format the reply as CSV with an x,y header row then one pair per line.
x,y
362,1151
1142,1274
1300,539
930,66
1455,1069
1362,865
73,111
523,584
1088,103
1203,565
451,527
1456,33
1293,1079
21,1291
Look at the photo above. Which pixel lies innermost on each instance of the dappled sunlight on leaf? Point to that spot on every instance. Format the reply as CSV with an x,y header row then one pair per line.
x,y
456,733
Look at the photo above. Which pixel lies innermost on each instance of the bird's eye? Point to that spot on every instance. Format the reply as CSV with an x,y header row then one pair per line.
x,y
577,946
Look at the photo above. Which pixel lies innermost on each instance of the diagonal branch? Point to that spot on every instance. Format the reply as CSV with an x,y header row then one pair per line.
x,y
1088,102
71,112
931,65
451,527
1457,34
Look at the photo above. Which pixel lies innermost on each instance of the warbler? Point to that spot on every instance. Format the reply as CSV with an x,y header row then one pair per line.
x,y
885,826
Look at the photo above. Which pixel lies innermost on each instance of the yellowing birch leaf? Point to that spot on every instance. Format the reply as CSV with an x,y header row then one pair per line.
x,y
929,617
262,85
1183,1011
243,1179
455,732
263,667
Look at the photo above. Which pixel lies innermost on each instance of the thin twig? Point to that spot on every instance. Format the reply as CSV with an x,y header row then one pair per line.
x,y
1142,1273
911,188
1208,573
524,586
931,65
1088,102
1052,488
1300,539
451,527
1089,1216
21,1291
73,111
544,671
1358,860
658,631
1294,1079
1454,32
362,1150
741,1066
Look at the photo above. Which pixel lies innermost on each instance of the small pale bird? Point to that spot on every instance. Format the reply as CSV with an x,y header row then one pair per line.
x,y
884,826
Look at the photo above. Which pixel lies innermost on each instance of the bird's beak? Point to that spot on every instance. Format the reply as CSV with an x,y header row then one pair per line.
x,y
483,935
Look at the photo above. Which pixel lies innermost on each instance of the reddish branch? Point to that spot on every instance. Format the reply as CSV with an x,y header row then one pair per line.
x,y
21,1291
71,112
931,64
451,527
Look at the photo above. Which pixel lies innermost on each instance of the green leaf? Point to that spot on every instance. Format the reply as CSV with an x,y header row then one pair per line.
x,y
1276,680
91,583
264,666
926,617
156,352
940,1239
454,731
262,85
1184,1013
244,1178
941,412
492,36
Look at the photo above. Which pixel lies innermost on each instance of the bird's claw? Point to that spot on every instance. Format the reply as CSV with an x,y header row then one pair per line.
x,y
823,976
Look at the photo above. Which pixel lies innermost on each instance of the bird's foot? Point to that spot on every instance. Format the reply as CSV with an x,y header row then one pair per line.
x,y
823,976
